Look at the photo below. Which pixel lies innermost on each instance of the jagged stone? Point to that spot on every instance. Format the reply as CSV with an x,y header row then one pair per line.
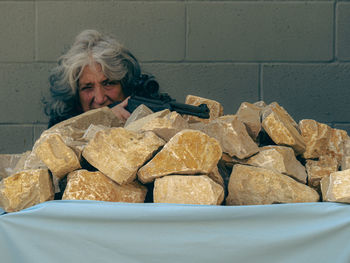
x,y
249,114
316,170
140,112
25,189
91,131
188,152
261,104
85,185
322,140
216,176
216,109
346,158
165,126
336,187
232,135
316,136
137,125
119,153
280,159
178,189
59,158
33,162
251,185
281,127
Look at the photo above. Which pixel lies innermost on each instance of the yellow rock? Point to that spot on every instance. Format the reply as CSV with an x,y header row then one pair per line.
x,y
165,126
249,114
216,109
250,185
316,170
280,159
177,189
59,158
119,153
281,128
232,135
188,152
140,112
85,185
336,187
25,189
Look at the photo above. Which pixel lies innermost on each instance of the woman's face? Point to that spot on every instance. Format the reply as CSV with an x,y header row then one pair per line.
x,y
96,90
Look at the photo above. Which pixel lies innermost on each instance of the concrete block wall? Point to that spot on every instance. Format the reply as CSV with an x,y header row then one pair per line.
x,y
294,52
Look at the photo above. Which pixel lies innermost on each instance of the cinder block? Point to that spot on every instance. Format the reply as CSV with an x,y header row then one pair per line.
x,y
152,31
315,91
260,31
22,88
230,84
16,138
343,31
17,31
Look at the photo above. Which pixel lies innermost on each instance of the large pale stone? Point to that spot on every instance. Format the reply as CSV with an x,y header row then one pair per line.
x,y
25,189
232,135
119,153
281,159
336,187
200,190
316,170
216,109
164,126
322,140
137,125
249,114
188,152
316,136
85,185
281,128
140,112
91,131
59,158
250,185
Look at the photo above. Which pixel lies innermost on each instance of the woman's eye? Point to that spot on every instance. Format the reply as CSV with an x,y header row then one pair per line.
x,y
85,88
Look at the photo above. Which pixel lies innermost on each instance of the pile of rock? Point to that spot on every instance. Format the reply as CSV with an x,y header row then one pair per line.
x,y
260,155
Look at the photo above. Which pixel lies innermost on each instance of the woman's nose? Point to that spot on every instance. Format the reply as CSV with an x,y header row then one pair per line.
x,y
99,95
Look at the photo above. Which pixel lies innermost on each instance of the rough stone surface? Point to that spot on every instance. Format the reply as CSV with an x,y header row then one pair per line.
x,y
216,109
59,158
91,131
85,185
188,152
165,126
336,187
322,140
280,159
25,189
249,114
316,136
216,176
137,125
250,185
281,128
200,190
232,135
119,153
316,170
346,158
140,112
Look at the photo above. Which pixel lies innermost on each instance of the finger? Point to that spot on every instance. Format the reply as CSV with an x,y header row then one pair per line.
x,y
124,103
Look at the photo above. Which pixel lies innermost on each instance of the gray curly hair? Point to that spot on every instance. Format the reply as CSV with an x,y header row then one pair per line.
x,y
90,47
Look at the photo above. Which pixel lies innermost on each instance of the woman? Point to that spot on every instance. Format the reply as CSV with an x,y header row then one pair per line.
x,y
94,73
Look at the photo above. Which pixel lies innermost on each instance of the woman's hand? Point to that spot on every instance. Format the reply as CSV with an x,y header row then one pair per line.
x,y
120,111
